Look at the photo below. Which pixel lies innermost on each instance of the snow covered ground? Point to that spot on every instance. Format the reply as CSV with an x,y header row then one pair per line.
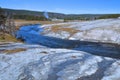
x,y
107,30
42,63
49,53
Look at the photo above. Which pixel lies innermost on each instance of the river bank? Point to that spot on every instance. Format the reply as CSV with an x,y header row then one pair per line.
x,y
31,34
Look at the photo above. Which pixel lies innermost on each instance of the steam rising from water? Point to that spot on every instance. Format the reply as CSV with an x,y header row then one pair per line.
x,y
46,15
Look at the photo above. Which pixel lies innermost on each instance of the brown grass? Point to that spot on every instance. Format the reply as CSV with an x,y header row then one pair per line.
x,y
19,23
4,43
57,28
14,51
8,38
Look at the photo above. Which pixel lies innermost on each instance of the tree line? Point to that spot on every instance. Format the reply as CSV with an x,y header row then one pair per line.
x,y
107,16
30,17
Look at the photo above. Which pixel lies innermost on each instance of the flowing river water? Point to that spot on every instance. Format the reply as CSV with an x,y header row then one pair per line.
x,y
31,34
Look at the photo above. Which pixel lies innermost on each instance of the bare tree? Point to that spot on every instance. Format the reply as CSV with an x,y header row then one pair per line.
x,y
6,23
10,25
2,23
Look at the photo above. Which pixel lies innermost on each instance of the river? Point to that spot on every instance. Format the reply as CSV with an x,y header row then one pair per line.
x,y
32,34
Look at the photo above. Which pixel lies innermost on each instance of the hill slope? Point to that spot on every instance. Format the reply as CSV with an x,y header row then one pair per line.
x,y
53,14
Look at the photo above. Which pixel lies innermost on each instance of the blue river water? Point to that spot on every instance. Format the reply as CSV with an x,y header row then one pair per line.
x,y
31,34
28,33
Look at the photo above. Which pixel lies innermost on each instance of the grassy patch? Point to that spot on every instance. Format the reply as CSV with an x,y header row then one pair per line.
x,y
57,28
26,22
7,38
4,43
14,51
